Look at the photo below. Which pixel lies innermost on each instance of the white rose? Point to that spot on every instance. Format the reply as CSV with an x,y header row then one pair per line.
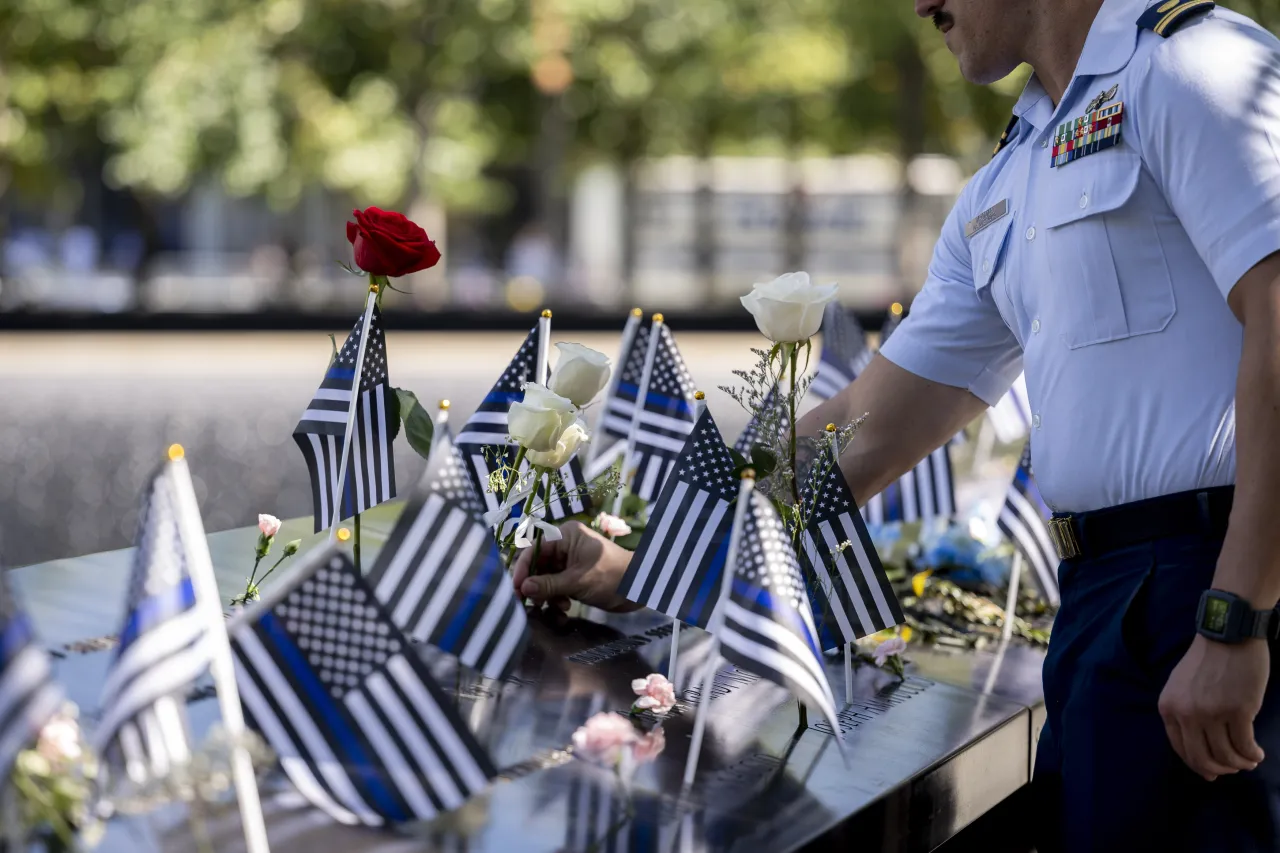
x,y
567,444
580,373
789,308
538,420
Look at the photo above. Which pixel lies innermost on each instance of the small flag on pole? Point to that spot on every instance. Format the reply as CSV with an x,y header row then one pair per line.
x,y
768,623
1024,519
440,575
845,353
665,417
165,646
923,493
854,594
361,728
483,441
371,475
29,697
771,417
677,566
620,404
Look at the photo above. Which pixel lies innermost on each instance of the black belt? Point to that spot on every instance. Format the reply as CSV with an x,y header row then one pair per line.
x,y
1092,534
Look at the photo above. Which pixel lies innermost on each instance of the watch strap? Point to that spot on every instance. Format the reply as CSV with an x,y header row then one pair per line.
x,y
1263,624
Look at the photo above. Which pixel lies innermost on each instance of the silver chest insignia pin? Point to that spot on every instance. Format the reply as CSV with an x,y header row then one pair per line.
x,y
1096,130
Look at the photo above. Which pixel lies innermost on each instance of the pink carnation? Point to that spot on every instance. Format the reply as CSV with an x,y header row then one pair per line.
x,y
269,525
611,525
603,738
656,694
889,648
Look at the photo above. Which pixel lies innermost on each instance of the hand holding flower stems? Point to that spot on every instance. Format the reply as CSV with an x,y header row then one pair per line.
x,y
547,427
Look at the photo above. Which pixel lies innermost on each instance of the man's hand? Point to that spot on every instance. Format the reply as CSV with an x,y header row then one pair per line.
x,y
583,565
1210,702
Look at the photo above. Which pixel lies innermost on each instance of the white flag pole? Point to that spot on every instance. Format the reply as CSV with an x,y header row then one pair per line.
x,y
205,586
699,406
624,483
1011,603
628,337
544,348
715,625
351,412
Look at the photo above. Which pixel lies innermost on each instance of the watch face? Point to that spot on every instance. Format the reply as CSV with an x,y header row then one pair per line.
x,y
1215,615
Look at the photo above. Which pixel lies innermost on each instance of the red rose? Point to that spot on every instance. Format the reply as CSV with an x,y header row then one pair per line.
x,y
387,243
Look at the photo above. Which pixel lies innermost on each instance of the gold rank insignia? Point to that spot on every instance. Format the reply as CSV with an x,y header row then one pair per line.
x,y
1096,130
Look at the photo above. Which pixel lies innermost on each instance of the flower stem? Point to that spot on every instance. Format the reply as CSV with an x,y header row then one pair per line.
x,y
804,716
273,568
254,573
514,476
791,403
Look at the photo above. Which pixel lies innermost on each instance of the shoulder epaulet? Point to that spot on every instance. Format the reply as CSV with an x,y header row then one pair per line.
x,y
1165,18
1004,137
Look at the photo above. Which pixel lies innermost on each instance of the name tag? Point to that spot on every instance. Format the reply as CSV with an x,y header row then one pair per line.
x,y
995,213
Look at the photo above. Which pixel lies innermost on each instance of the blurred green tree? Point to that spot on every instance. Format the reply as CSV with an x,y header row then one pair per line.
x,y
389,100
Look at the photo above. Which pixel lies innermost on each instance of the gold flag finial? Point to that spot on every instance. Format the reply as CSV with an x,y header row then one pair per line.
x,y
546,312
748,473
343,534
831,427
657,318
698,395
637,312
176,452
373,287
444,405
896,309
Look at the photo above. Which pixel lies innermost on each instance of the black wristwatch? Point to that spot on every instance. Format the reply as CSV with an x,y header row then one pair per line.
x,y
1228,618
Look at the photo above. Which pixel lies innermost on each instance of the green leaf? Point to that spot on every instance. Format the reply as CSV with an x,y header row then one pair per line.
x,y
739,460
333,342
418,426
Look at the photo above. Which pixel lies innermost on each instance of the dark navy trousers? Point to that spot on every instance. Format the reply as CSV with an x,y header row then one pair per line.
x,y
1106,777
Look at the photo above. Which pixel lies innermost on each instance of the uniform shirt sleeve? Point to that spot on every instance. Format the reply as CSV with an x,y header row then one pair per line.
x,y
954,334
1208,113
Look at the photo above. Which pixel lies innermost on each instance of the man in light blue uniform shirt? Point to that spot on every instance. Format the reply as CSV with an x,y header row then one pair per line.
x,y
1121,248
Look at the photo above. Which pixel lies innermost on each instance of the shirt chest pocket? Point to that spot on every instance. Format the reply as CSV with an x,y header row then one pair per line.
x,y
1108,276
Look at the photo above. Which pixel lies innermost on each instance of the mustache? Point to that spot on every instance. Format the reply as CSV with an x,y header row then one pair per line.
x,y
941,19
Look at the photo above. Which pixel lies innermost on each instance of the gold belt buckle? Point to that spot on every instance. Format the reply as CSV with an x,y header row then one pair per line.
x,y
1063,535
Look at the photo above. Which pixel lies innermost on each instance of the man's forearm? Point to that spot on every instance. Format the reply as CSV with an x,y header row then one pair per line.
x,y
1249,564
907,418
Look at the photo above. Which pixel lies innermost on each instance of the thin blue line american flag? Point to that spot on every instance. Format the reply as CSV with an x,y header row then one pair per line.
x,y
923,493
440,575
768,624
484,440
666,419
620,405
29,697
1024,519
778,417
676,568
853,596
371,473
165,646
845,352
360,727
